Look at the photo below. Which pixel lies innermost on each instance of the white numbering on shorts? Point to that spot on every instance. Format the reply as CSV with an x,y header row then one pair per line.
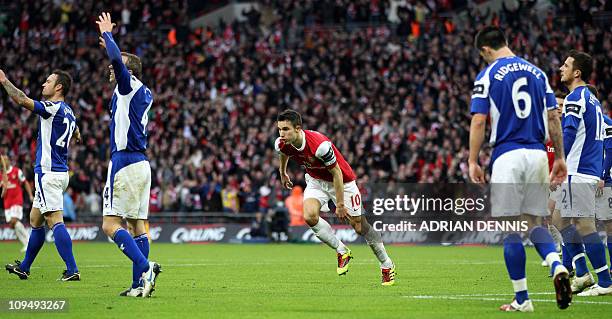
x,y
518,96
356,201
70,126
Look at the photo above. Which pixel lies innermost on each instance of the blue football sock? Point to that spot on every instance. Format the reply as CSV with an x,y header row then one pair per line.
x,y
545,245
37,240
128,246
514,255
596,251
143,244
567,258
573,243
63,243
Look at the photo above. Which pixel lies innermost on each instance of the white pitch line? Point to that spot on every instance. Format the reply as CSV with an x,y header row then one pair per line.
x,y
484,298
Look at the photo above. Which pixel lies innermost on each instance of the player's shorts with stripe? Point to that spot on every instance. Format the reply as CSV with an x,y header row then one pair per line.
x,y
603,204
519,183
49,191
127,191
578,196
323,191
15,211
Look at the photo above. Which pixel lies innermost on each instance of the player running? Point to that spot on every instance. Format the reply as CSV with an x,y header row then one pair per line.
x,y
12,195
56,126
328,176
126,194
517,96
604,199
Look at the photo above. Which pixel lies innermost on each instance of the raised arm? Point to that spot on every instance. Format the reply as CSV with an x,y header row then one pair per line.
x,y
16,94
122,75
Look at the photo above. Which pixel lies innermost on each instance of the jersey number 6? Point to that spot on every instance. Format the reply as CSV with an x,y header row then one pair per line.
x,y
518,96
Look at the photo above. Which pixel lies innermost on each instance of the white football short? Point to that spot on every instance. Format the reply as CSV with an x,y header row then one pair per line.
x,y
323,191
49,191
603,205
15,211
520,183
577,197
127,191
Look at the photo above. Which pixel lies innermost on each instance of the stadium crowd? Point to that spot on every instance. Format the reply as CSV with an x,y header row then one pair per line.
x,y
393,96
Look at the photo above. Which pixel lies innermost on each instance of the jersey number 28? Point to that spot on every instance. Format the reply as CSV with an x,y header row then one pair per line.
x,y
70,126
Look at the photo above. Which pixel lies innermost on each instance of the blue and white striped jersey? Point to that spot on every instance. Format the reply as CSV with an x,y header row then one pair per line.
x,y
55,127
517,96
582,112
129,108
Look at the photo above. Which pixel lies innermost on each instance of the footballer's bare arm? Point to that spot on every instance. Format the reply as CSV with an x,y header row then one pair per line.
x,y
16,94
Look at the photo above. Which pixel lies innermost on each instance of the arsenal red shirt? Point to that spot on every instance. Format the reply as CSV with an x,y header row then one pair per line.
x,y
317,155
14,193
550,151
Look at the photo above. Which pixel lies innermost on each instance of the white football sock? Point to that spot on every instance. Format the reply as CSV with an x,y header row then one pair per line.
x,y
21,233
374,240
325,233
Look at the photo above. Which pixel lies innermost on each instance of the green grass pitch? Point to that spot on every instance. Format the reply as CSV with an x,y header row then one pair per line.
x,y
288,281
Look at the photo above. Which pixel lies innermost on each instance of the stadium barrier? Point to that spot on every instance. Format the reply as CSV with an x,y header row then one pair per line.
x,y
241,233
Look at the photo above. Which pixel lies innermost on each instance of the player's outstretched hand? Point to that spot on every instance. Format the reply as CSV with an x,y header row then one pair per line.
x,y
341,212
2,76
476,173
104,23
558,174
286,181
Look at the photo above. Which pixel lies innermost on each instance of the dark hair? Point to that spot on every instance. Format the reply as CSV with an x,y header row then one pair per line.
x,y
64,79
583,63
560,94
133,63
593,90
290,115
490,36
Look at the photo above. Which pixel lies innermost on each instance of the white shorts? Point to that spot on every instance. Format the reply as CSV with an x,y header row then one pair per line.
x,y
127,191
49,191
15,211
578,196
520,183
323,191
603,205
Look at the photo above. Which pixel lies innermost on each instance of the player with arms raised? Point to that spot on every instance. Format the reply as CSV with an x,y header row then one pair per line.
x,y
328,176
12,195
583,137
126,194
517,96
56,125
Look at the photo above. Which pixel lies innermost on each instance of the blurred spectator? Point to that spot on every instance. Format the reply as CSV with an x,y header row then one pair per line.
x,y
69,210
295,205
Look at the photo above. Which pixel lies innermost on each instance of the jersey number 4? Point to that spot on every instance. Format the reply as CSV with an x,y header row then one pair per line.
x,y
70,125
518,95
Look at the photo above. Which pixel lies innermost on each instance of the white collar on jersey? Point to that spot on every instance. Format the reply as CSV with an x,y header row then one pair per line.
x,y
303,135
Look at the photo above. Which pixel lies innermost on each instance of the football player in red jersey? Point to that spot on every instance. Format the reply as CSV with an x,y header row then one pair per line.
x,y
555,216
328,176
12,179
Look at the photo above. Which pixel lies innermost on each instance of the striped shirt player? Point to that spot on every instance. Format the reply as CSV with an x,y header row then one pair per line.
x,y
517,97
583,145
56,126
128,184
604,202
